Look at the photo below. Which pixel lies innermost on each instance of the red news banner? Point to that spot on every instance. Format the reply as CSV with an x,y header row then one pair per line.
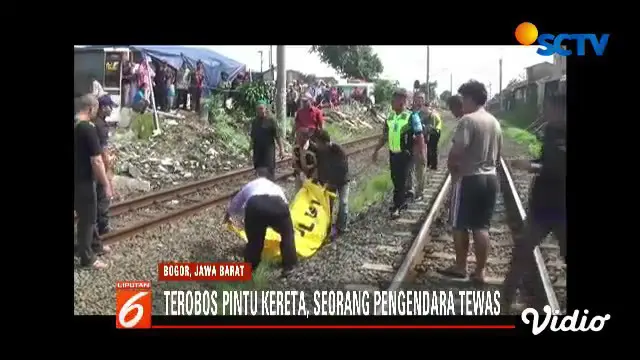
x,y
134,298
204,272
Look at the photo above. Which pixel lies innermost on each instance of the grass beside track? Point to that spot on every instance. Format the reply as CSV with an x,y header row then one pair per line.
x,y
366,195
373,191
522,137
260,277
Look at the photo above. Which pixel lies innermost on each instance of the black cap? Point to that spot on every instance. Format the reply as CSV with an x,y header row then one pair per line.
x,y
400,92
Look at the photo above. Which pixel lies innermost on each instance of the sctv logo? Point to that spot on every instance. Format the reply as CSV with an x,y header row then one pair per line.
x,y
527,34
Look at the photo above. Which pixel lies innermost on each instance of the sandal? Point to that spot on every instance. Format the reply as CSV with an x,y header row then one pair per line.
x,y
104,250
97,265
452,272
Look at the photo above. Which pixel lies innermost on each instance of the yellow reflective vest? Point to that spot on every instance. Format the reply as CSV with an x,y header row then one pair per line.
x,y
397,124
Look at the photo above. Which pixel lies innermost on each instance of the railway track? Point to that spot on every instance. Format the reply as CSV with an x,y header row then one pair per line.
x,y
168,205
432,246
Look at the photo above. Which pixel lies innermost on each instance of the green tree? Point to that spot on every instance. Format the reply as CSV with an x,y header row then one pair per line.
x,y
383,91
445,95
354,61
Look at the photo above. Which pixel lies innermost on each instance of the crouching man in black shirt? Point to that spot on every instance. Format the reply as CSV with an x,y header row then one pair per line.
x,y
88,167
547,203
333,171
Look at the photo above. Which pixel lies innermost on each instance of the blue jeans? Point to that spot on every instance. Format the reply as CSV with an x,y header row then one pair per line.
x,y
343,207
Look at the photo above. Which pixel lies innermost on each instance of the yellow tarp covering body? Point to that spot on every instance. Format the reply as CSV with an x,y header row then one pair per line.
x,y
311,216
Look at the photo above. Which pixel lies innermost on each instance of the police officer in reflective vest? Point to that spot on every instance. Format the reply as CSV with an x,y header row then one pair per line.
x,y
404,135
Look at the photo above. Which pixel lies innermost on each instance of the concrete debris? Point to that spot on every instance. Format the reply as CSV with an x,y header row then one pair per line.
x,y
355,116
185,150
188,149
127,185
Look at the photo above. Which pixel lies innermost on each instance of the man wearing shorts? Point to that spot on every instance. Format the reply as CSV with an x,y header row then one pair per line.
x,y
472,162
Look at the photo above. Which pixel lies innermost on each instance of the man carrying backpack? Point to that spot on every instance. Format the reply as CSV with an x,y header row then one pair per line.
x,y
417,167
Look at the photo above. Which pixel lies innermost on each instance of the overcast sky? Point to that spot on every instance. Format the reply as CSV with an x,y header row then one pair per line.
x,y
408,63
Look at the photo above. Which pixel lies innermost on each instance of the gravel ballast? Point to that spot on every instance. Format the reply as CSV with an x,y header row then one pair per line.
x,y
198,238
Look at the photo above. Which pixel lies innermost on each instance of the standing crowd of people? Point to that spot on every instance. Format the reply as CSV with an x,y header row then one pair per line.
x,y
412,137
173,89
322,94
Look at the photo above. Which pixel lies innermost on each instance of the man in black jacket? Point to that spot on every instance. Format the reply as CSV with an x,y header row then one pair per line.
x,y
333,171
547,202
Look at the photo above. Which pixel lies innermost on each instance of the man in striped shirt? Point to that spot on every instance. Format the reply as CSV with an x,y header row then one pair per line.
x,y
259,205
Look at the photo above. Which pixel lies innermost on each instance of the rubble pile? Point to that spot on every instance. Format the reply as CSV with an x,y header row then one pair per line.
x,y
186,150
354,116
189,149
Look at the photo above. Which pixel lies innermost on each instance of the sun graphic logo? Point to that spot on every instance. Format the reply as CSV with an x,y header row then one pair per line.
x,y
527,34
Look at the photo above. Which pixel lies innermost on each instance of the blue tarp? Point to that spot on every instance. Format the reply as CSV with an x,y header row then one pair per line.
x,y
214,63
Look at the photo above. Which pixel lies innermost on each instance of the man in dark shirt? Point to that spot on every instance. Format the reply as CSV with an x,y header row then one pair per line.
x,y
265,134
88,167
160,88
304,158
105,105
547,202
333,171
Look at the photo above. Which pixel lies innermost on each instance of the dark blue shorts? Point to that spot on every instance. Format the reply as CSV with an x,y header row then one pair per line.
x,y
473,202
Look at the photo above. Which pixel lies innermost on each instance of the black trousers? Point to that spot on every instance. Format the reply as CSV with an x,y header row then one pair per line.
x,y
523,270
399,166
262,212
265,157
85,204
160,95
196,93
432,150
181,95
102,208
291,109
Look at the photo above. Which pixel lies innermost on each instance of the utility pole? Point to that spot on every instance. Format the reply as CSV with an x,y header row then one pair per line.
x,y
490,91
451,83
500,85
428,87
281,89
260,52
271,57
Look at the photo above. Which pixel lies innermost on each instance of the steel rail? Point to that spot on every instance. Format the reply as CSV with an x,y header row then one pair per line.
x,y
124,233
545,286
195,186
405,272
